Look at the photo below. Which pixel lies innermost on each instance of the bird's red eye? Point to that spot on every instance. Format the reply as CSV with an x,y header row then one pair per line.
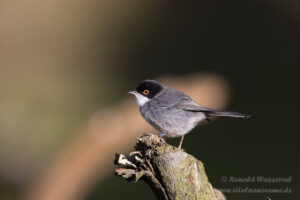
x,y
146,92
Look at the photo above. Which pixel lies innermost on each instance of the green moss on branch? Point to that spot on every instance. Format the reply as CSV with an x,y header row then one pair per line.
x,y
170,172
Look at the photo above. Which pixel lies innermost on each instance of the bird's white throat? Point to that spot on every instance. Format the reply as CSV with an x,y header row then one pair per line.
x,y
140,99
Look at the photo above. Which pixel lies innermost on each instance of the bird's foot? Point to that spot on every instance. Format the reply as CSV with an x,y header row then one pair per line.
x,y
180,143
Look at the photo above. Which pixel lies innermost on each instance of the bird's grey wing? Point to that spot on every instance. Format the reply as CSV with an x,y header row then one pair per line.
x,y
190,105
187,104
174,99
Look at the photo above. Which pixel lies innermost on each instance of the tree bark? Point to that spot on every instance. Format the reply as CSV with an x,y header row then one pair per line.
x,y
170,172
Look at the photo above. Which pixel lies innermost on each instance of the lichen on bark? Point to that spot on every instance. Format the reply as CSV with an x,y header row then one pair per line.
x,y
170,172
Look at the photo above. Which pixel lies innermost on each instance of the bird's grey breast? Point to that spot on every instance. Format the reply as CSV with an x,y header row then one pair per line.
x,y
163,114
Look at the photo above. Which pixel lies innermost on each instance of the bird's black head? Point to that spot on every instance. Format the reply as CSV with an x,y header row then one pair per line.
x,y
149,88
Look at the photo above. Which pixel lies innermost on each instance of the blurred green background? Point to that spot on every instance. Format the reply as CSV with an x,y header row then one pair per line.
x,y
61,60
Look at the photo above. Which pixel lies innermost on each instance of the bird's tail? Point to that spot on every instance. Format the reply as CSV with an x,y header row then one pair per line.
x,y
227,114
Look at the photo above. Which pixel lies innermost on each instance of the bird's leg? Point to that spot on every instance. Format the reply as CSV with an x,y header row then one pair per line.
x,y
180,143
161,135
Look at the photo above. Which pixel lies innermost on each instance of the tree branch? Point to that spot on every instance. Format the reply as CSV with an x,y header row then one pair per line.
x,y
171,173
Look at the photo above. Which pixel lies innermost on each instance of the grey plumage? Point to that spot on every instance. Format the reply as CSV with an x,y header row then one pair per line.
x,y
165,112
172,112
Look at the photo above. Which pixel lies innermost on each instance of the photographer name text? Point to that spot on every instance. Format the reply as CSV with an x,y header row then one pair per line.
x,y
256,179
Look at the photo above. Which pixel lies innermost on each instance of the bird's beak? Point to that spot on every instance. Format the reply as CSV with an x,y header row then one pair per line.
x,y
132,92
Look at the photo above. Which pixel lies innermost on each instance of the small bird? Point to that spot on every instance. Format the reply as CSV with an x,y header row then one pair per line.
x,y
172,112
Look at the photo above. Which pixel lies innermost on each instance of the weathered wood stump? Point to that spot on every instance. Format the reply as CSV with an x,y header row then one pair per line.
x,y
170,172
